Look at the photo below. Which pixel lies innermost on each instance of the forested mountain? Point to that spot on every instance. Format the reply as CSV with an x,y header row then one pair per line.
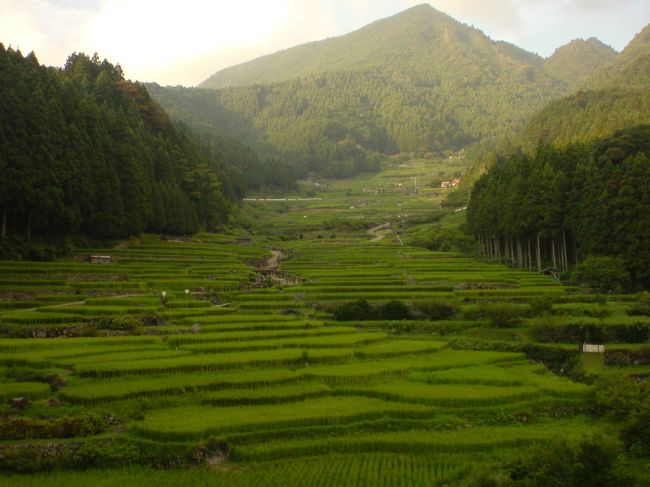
x,y
631,68
559,206
576,61
615,97
84,151
420,42
419,81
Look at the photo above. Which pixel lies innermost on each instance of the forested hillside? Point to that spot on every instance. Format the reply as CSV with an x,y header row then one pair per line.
x,y
84,151
561,206
416,82
576,61
614,97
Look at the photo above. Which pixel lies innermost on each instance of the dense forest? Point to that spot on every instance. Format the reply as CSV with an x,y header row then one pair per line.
x,y
561,206
613,93
416,82
84,151
576,61
614,97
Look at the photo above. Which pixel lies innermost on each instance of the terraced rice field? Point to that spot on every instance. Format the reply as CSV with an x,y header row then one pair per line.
x,y
251,370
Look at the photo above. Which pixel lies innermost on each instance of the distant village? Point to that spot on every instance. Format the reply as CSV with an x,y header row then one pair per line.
x,y
453,183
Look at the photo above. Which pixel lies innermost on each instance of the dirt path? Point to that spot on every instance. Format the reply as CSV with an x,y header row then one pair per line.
x,y
273,262
376,232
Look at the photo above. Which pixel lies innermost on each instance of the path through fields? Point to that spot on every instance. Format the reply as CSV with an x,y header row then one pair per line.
x,y
379,232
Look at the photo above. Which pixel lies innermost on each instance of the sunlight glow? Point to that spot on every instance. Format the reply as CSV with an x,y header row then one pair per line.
x,y
149,32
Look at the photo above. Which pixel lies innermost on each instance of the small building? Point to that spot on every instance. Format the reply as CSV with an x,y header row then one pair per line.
x,y
589,348
101,259
454,183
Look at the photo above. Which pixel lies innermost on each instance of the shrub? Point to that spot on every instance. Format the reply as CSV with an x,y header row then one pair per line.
x,y
118,324
436,309
501,315
18,428
634,333
627,399
604,274
540,305
592,462
642,307
355,310
395,310
636,432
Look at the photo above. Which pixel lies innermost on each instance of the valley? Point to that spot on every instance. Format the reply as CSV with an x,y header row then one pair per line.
x,y
397,364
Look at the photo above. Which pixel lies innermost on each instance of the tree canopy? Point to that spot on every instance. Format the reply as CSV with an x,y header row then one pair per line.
x,y
85,151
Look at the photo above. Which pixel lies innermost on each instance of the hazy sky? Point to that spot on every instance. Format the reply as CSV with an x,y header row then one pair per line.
x,y
183,42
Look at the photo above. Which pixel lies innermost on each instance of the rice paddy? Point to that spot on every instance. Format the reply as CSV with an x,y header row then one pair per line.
x,y
193,345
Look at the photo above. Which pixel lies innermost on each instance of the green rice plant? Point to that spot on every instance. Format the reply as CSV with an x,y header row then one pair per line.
x,y
41,317
326,341
506,375
224,361
197,422
447,395
31,390
236,336
370,470
93,391
57,344
361,371
461,441
267,395
392,348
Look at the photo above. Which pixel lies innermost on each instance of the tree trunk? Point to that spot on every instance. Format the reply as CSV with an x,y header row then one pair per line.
x,y
499,249
29,227
3,233
539,256
554,257
566,257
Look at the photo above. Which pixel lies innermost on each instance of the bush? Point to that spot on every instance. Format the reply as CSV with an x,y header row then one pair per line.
x,y
540,305
627,357
604,274
558,360
118,324
636,432
642,307
436,309
356,310
634,333
626,399
18,428
394,311
590,463
501,315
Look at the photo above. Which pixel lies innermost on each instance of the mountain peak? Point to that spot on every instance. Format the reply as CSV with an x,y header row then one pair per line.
x,y
629,69
640,40
579,59
420,36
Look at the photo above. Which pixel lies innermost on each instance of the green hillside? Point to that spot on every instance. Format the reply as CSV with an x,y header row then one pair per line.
x,y
615,97
578,60
630,69
416,82
84,151
420,40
